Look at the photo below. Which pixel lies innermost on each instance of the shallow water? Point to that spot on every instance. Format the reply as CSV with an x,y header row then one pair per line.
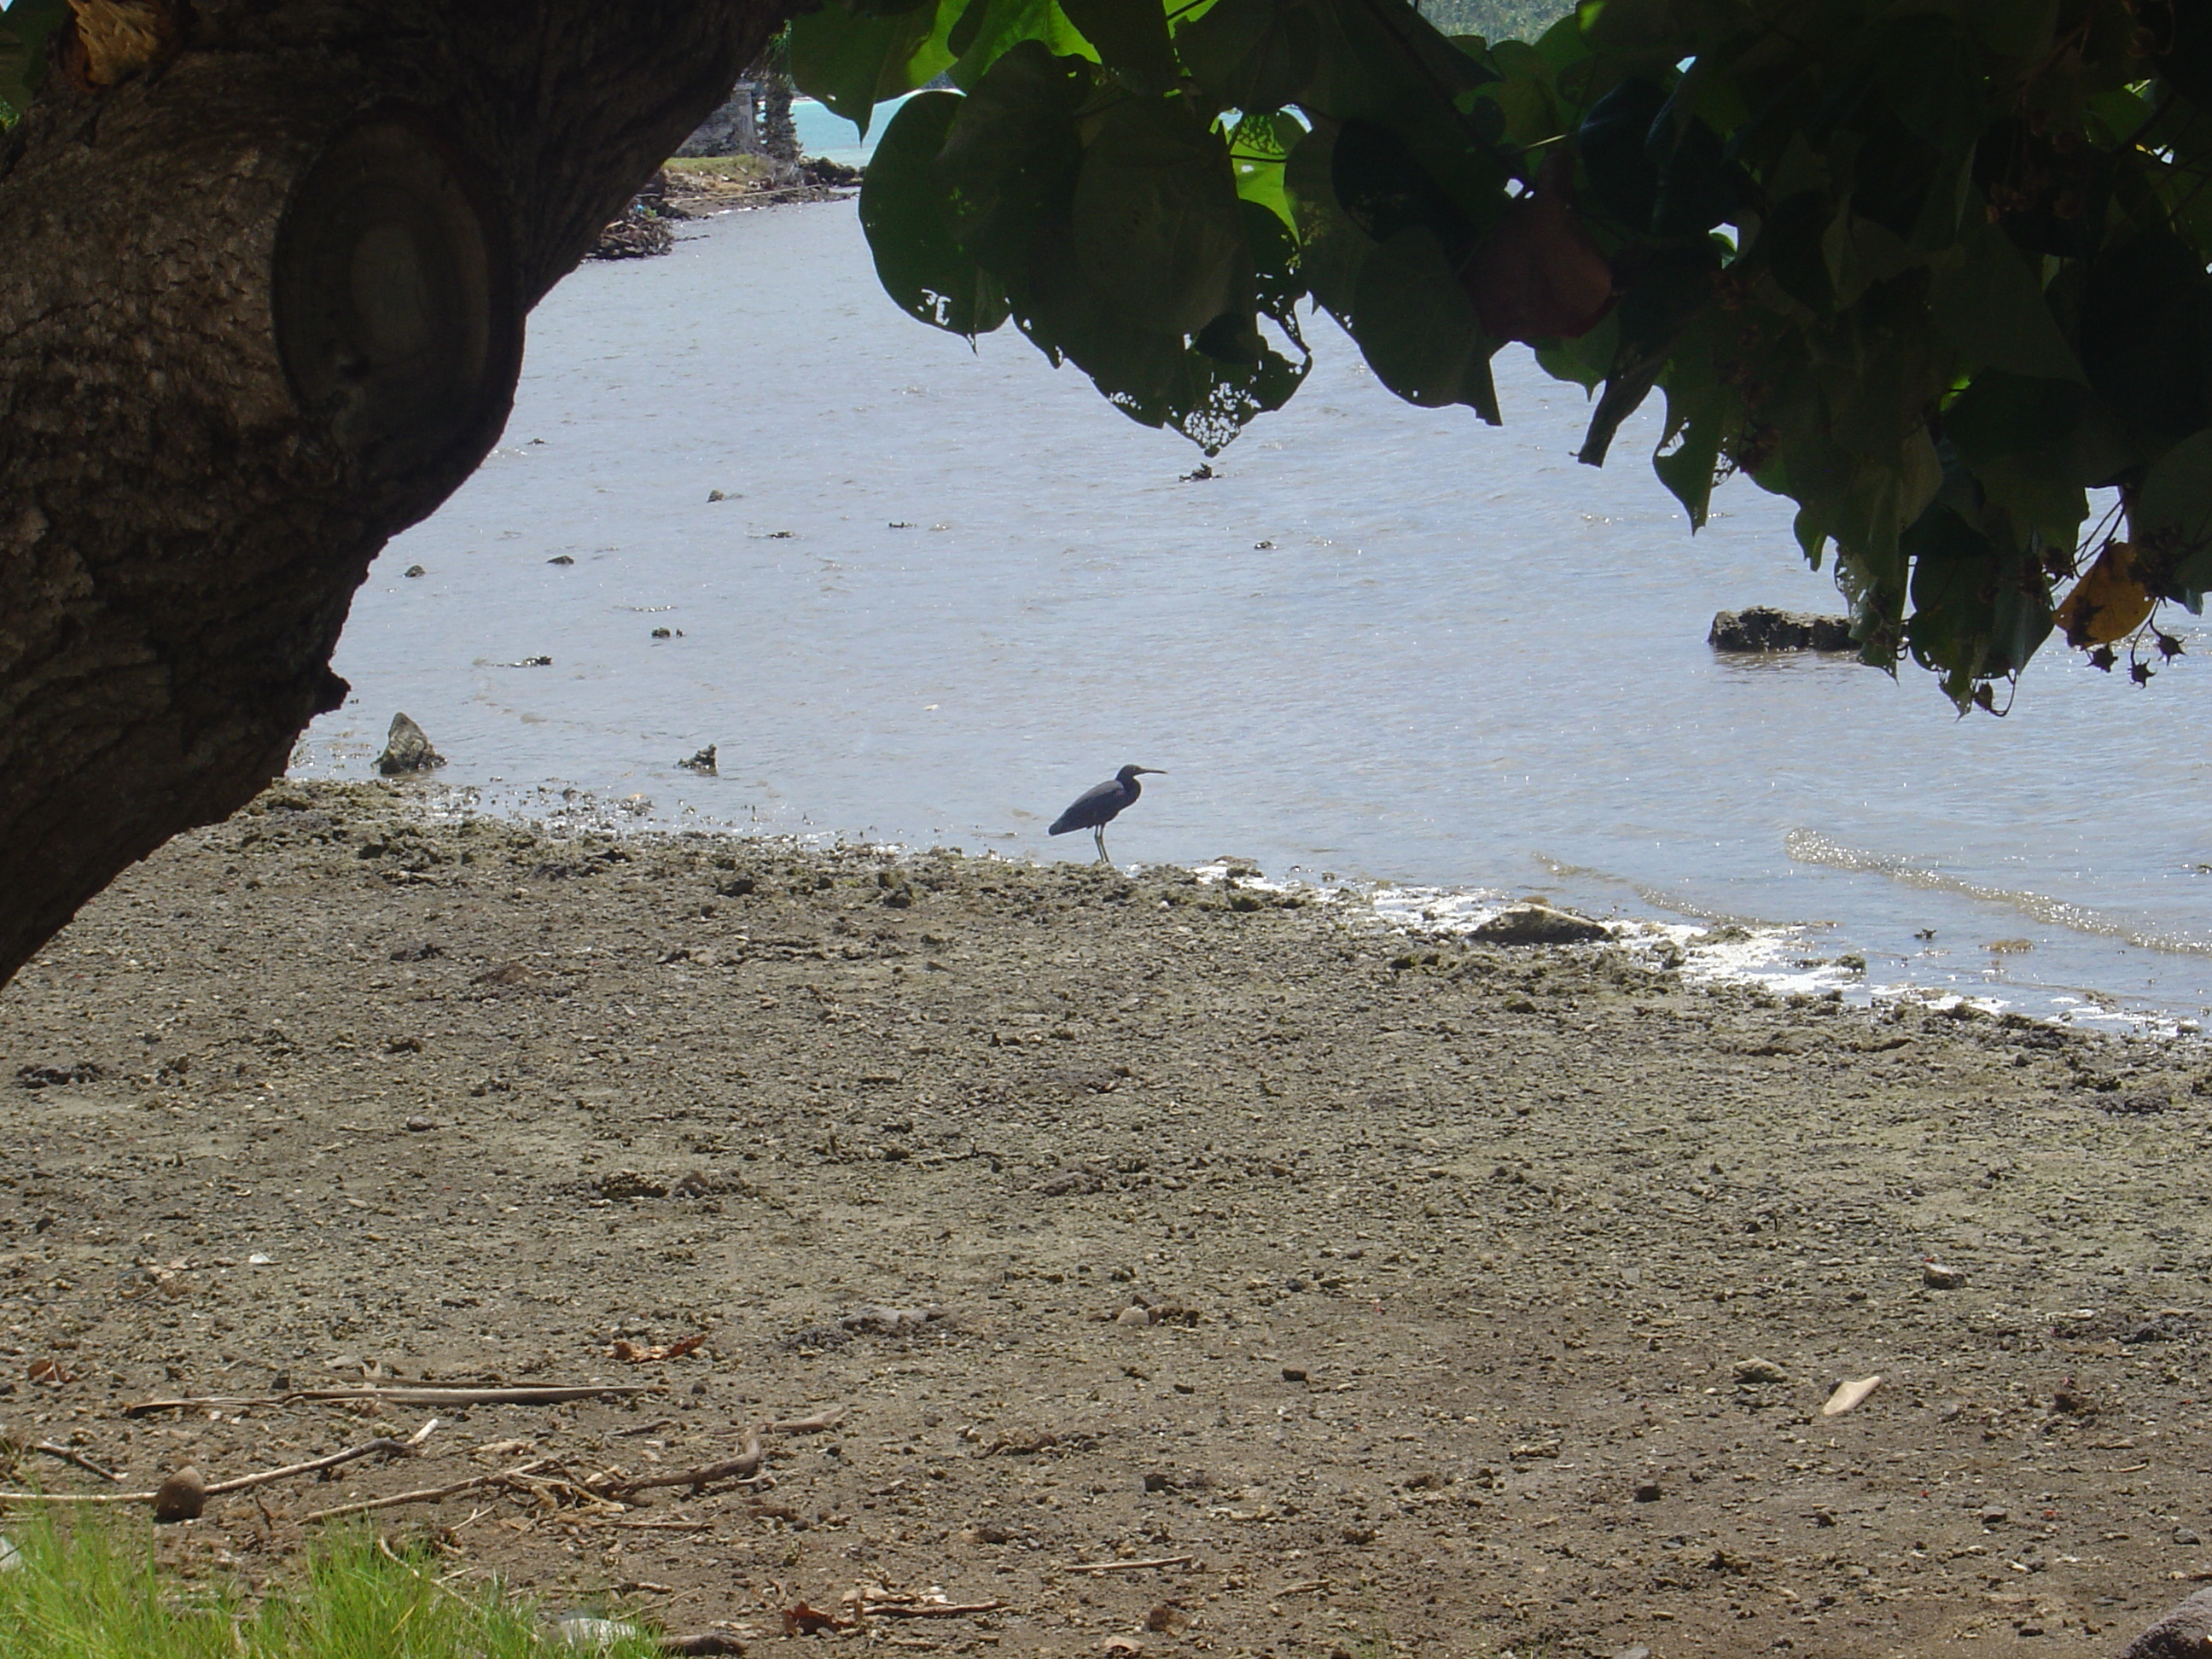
x,y
951,589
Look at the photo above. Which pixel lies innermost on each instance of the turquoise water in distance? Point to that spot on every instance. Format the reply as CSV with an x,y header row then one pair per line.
x,y
952,589
832,136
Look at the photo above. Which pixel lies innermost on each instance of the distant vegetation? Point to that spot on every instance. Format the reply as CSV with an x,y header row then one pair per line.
x,y
1494,20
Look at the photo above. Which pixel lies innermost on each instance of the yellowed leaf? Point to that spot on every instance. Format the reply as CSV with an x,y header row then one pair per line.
x,y
2109,603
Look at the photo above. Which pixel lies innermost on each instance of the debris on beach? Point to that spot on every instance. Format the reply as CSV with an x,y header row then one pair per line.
x,y
1540,924
407,749
703,761
638,234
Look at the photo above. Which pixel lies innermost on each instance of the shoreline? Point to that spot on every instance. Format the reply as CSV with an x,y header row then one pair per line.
x,y
1443,1296
1780,959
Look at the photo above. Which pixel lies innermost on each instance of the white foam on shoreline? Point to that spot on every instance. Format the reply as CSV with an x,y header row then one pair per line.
x,y
1777,958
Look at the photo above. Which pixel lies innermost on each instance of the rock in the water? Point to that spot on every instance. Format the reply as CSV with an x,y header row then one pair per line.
x,y
1540,924
407,749
181,1496
1762,627
2186,1632
702,762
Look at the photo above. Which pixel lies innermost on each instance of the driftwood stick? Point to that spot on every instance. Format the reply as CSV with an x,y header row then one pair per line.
x,y
926,1609
430,1494
383,1446
823,1420
550,1395
1128,1566
744,1467
69,1455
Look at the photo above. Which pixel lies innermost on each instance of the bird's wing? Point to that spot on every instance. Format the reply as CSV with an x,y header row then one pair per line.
x,y
1094,806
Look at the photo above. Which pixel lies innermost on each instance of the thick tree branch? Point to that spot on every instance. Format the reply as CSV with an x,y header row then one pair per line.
x,y
191,499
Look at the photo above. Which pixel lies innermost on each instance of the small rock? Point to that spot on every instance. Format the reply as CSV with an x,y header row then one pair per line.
x,y
407,749
415,570
2187,1536
182,1497
1636,1650
1292,1374
1136,1318
560,558
703,761
418,1126
1649,1493
1762,627
1937,1277
716,495
1755,1371
1540,924
1994,1517
663,633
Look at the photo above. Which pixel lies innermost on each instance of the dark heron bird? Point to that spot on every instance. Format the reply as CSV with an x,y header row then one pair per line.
x,y
1095,808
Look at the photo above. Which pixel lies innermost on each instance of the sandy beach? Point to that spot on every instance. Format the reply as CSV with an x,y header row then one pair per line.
x,y
1392,1294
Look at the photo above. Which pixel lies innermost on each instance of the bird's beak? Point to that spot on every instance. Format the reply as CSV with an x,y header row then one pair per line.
x,y
1153,770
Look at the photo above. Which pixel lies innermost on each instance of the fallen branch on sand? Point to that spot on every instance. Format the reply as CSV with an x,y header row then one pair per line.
x,y
499,1396
182,1497
1128,1566
68,1454
744,1467
518,1475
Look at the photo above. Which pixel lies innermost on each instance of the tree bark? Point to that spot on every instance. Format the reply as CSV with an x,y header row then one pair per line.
x,y
261,308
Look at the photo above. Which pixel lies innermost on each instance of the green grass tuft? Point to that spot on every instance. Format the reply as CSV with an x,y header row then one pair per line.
x,y
95,1591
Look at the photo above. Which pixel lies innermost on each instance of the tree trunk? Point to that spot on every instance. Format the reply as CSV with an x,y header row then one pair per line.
x,y
261,308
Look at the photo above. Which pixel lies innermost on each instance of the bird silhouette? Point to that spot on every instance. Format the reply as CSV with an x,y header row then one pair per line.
x,y
1099,806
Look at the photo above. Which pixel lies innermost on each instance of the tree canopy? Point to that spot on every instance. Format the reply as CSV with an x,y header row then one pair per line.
x,y
1934,270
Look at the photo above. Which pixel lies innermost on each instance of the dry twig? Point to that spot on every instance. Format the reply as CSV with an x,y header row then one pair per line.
x,y
744,1467
1128,1566
552,1395
69,1455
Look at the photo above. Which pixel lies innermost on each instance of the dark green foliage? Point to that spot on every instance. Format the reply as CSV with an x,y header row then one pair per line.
x,y
1933,272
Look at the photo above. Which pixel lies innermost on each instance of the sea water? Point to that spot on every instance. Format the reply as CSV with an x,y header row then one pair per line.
x,y
948,588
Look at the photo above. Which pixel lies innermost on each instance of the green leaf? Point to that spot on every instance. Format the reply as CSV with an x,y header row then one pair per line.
x,y
2172,519
1131,37
1697,417
1332,249
1417,327
853,61
988,29
1989,307
908,220
1156,223
1251,55
1010,158
23,30
1259,148
2146,333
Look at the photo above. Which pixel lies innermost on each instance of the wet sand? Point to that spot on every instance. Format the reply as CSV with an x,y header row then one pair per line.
x,y
1483,1299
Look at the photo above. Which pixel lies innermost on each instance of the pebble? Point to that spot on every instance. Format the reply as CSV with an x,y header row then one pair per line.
x,y
1292,1374
2186,1535
181,1496
1649,1493
417,1126
1134,1317
413,570
1937,1277
1755,1371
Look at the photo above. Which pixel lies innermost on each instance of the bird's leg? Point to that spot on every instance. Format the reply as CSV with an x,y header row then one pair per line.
x,y
1099,834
